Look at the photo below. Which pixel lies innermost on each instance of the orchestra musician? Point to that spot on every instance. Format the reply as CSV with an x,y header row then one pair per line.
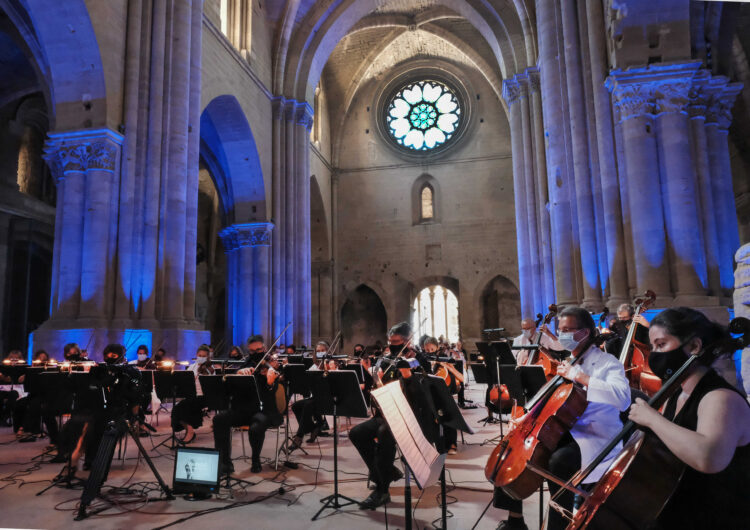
x,y
8,397
450,435
608,393
187,415
72,353
258,419
529,335
30,411
143,362
373,439
235,354
304,409
618,329
706,425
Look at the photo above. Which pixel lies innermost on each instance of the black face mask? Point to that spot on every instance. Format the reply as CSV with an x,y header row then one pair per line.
x,y
665,363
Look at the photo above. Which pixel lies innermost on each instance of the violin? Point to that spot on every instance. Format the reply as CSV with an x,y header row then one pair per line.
x,y
530,442
644,476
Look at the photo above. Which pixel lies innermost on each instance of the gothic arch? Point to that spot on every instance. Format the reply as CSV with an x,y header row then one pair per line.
x,y
363,317
228,149
416,199
73,83
500,304
448,282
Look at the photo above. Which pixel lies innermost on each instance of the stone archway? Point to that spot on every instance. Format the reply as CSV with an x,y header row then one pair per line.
x,y
363,318
501,305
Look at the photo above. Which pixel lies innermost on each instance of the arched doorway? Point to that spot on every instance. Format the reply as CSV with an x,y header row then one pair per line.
x,y
501,305
363,318
436,313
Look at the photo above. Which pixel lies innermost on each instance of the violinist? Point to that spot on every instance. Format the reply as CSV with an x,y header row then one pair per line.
x,y
450,435
618,329
373,439
304,409
159,356
706,425
258,419
359,350
32,409
608,393
529,335
187,415
143,362
235,354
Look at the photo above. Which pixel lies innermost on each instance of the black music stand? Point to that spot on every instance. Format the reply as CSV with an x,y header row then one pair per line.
x,y
337,393
297,382
242,390
448,415
214,392
532,379
173,385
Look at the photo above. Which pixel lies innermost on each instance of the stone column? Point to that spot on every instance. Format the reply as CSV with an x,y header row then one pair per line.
x,y
697,111
676,166
718,119
84,162
512,93
634,104
557,173
742,304
613,235
303,120
248,279
278,248
579,147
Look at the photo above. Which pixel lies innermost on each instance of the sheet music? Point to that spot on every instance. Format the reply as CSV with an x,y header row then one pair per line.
x,y
423,459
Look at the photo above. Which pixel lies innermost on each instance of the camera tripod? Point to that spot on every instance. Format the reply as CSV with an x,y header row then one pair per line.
x,y
100,468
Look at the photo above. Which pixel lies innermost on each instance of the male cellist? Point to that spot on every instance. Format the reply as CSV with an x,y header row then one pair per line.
x,y
529,336
608,393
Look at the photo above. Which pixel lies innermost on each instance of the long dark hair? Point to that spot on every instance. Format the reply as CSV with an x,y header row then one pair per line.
x,y
686,323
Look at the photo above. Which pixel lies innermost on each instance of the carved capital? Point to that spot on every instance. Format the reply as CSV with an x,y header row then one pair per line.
x,y
512,90
672,96
246,235
633,100
721,103
82,151
304,115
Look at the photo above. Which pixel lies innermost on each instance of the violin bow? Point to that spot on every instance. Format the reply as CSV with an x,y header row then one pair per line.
x,y
262,359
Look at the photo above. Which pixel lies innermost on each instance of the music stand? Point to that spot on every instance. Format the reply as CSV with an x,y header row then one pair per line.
x,y
449,415
173,385
532,379
296,382
337,393
242,390
214,392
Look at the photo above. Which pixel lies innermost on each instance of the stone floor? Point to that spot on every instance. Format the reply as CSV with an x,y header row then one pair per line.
x,y
23,474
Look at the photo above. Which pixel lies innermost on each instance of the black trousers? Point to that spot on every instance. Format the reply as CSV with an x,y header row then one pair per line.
x,y
30,411
376,446
450,435
304,412
564,462
190,411
257,422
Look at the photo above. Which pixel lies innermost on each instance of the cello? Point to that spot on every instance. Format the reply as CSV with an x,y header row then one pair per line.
x,y
645,464
634,354
527,447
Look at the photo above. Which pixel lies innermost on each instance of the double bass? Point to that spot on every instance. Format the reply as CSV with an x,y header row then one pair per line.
x,y
539,355
643,477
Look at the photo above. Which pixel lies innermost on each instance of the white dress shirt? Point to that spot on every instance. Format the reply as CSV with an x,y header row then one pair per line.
x,y
546,341
608,394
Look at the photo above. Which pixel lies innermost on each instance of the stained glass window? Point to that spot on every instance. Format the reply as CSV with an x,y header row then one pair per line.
x,y
423,115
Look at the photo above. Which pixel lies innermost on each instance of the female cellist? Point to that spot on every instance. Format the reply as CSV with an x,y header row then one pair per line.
x,y
706,426
607,393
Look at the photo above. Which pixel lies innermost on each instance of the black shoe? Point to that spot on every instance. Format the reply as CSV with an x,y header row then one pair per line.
x,y
468,407
226,468
314,435
512,524
256,467
59,459
375,499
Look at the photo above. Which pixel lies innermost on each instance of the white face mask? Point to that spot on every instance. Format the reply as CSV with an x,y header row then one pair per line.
x,y
527,333
201,360
142,356
567,340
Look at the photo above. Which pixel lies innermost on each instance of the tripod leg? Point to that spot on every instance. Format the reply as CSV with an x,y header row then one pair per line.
x,y
99,469
144,454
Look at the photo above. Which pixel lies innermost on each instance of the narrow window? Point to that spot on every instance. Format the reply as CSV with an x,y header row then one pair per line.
x,y
428,212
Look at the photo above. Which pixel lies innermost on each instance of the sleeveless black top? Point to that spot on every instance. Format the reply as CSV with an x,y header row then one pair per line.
x,y
708,500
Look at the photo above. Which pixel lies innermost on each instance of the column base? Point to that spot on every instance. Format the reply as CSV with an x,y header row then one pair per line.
x,y
696,300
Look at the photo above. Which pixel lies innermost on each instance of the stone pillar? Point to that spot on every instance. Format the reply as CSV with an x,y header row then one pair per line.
x,y
579,147
303,120
512,94
718,119
247,247
742,304
278,248
676,166
697,111
613,234
633,99
84,163
557,173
